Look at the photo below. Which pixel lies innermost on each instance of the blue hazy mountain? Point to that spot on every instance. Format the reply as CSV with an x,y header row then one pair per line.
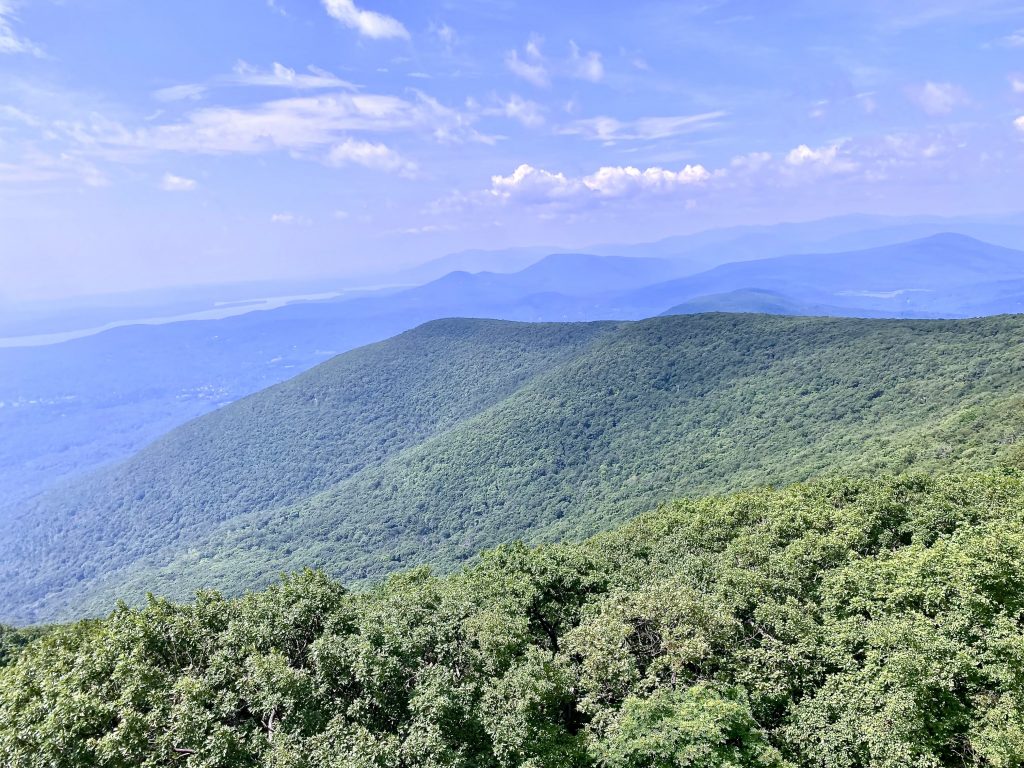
x,y
705,250
944,275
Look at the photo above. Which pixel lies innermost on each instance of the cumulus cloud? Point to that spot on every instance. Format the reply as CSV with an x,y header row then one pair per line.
x,y
1019,123
585,66
369,23
369,155
537,185
10,41
938,98
829,158
642,129
172,183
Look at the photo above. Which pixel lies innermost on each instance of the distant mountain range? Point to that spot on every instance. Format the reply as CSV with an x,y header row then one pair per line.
x,y
461,434
68,408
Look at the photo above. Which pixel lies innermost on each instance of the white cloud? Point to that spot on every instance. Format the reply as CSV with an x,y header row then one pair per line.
x,y
287,218
752,161
296,124
369,23
537,185
282,76
369,155
10,41
1017,83
585,66
172,183
938,98
642,129
868,102
828,159
535,68
529,113
1015,40
1019,123
445,35
186,91
532,71
36,167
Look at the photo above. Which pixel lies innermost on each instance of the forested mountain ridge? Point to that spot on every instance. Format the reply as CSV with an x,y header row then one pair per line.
x,y
608,420
868,623
68,408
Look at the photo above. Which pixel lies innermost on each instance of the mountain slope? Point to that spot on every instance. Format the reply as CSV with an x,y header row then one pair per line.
x,y
606,421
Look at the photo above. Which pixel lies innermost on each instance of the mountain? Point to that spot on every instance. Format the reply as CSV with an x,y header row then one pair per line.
x,y
701,251
461,434
478,260
942,275
70,407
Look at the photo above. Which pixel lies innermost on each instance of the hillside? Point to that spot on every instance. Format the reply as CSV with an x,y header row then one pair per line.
x,y
867,623
463,434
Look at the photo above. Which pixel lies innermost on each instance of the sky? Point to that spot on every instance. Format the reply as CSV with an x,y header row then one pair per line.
x,y
148,144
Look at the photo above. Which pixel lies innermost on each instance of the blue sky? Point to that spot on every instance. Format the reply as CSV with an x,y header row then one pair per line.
x,y
163,143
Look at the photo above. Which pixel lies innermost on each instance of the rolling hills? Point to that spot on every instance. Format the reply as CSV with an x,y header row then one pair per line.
x,y
461,434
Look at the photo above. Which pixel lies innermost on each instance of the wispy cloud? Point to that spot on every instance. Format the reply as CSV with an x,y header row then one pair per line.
x,y
172,183
288,218
530,66
245,74
536,68
610,129
1019,123
368,23
1015,39
280,76
938,98
515,107
585,66
296,124
183,92
369,155
10,41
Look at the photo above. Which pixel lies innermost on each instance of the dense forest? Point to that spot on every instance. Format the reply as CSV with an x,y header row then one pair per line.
x,y
463,434
839,623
